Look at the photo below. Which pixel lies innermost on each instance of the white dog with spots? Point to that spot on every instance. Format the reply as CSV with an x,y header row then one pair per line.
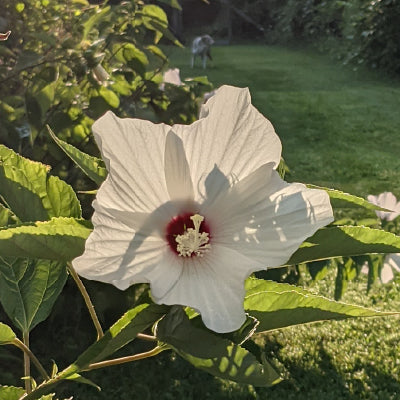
x,y
201,47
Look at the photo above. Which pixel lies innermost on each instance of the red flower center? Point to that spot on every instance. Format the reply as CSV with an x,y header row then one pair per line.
x,y
179,226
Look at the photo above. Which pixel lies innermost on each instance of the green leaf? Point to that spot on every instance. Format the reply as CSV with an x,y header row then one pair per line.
x,y
93,167
109,96
31,193
153,12
120,334
318,269
375,264
38,103
60,239
203,80
244,333
81,379
342,199
213,353
7,335
172,3
28,289
7,217
345,241
157,52
20,7
121,86
155,19
11,392
277,305
130,54
27,59
95,19
346,271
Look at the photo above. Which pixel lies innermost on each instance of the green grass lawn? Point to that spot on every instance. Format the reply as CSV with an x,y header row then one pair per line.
x,y
339,127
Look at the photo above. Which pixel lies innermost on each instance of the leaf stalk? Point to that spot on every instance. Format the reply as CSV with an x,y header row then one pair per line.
x,y
88,301
27,363
16,342
127,359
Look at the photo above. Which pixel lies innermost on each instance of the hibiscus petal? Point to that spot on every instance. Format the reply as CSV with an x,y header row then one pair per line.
x,y
232,135
386,200
265,218
386,273
116,254
213,285
394,261
177,171
133,151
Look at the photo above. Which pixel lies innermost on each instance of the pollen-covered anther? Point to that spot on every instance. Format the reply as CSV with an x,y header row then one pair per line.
x,y
193,241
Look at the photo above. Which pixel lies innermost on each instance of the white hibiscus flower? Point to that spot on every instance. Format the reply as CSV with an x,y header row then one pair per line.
x,y
100,74
386,200
392,261
171,76
391,264
194,210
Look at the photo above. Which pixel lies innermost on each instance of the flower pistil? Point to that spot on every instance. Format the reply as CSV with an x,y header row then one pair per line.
x,y
192,241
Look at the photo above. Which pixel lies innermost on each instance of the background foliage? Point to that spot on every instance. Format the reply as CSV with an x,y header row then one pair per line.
x,y
65,64
361,31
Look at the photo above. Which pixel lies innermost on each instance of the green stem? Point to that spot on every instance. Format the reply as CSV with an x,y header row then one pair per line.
x,y
88,302
123,360
27,351
27,364
46,386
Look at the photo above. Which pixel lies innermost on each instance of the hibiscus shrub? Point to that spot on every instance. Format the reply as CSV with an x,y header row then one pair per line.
x,y
64,65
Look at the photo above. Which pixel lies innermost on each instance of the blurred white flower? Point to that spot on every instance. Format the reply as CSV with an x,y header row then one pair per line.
x,y
386,200
100,74
195,209
391,263
171,76
208,96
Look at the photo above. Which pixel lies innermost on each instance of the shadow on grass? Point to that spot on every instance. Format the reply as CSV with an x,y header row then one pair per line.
x,y
323,380
169,377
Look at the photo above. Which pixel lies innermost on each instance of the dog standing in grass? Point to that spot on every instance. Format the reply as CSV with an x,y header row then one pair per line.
x,y
201,47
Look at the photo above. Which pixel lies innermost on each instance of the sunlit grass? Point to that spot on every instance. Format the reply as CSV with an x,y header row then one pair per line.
x,y
339,127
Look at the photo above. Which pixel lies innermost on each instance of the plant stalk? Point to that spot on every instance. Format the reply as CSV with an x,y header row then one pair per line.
x,y
28,352
149,338
123,360
88,302
27,364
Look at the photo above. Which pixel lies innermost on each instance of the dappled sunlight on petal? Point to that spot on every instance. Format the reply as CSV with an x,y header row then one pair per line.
x,y
113,249
133,151
213,285
231,133
266,218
